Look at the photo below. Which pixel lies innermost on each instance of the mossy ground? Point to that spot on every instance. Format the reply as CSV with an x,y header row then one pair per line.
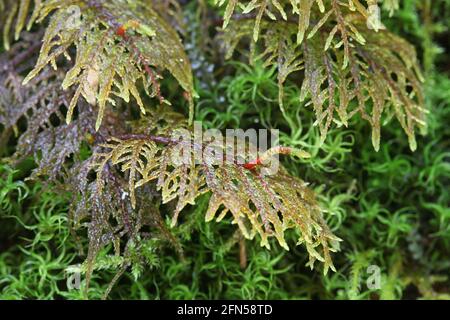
x,y
390,207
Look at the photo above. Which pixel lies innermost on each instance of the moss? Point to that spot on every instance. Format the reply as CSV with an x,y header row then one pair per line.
x,y
390,207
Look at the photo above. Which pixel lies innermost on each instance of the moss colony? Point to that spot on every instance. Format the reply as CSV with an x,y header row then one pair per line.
x,y
95,204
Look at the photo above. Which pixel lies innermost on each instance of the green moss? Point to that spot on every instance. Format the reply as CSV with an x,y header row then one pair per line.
x,y
390,207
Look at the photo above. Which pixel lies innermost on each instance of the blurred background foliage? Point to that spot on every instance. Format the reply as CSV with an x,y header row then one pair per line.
x,y
390,207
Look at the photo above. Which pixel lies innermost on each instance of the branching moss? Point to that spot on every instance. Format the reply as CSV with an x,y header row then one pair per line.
x,y
256,201
307,11
120,199
114,54
349,70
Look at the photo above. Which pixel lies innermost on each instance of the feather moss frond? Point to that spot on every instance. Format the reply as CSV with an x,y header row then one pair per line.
x,y
378,80
116,54
35,113
309,15
14,15
264,205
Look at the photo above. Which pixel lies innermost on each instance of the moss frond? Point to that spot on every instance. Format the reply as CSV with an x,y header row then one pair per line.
x,y
259,203
376,78
115,54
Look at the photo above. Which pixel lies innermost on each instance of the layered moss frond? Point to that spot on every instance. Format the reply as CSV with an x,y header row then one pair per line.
x,y
311,15
260,204
35,113
116,54
74,199
37,106
14,15
377,79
